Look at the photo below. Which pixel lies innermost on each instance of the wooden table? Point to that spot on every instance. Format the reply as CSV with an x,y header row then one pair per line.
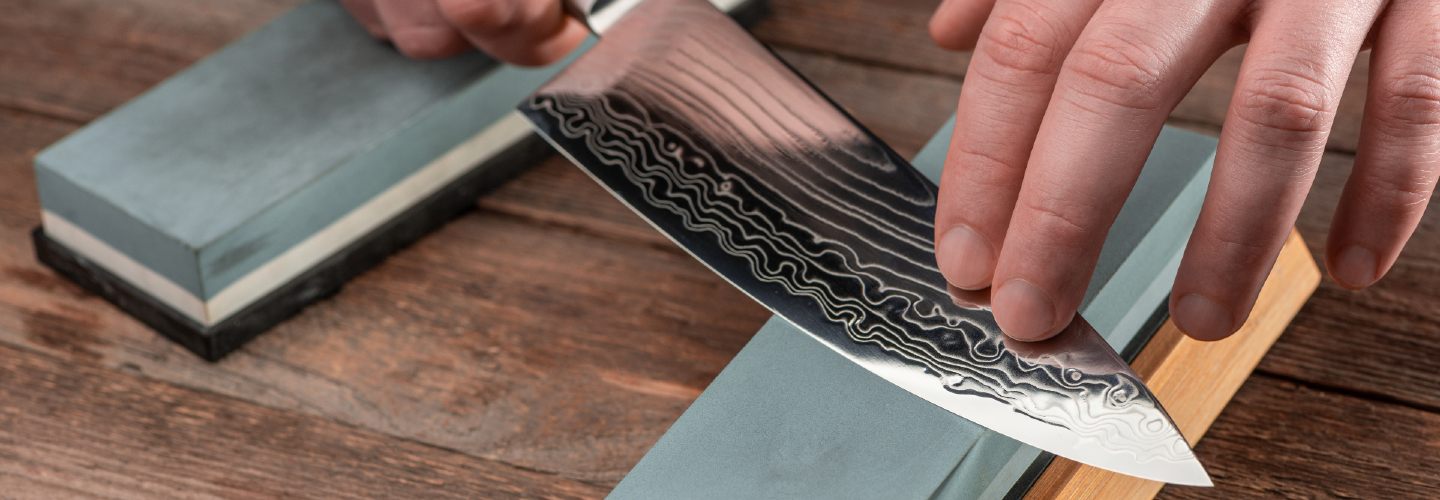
x,y
540,344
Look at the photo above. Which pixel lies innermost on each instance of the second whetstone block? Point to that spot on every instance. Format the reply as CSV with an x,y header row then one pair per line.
x,y
263,177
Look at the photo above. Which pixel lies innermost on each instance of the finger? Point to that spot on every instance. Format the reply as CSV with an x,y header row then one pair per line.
x,y
956,24
1280,114
418,29
1399,155
1131,66
526,32
1009,81
364,13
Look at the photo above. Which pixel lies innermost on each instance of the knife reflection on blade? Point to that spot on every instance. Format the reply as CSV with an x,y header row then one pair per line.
x,y
708,136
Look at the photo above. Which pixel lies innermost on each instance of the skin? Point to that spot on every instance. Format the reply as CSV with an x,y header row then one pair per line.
x,y
1062,103
524,32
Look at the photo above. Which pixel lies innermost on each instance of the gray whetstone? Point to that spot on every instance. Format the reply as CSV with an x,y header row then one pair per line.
x,y
221,168
230,163
789,418
224,166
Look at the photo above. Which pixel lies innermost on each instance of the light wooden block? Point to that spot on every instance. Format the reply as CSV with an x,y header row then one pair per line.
x,y
1194,379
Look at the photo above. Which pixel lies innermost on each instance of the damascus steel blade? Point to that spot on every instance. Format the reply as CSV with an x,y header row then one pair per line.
x,y
702,131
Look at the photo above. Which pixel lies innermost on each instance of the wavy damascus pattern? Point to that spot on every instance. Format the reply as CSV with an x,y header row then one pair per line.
x,y
723,148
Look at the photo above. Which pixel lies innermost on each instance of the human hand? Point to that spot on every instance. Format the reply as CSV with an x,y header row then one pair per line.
x,y
525,32
1063,101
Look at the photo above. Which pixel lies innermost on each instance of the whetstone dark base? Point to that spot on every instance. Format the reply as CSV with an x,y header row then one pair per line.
x,y
321,281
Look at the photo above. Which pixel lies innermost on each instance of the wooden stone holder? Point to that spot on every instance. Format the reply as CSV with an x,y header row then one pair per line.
x,y
1196,379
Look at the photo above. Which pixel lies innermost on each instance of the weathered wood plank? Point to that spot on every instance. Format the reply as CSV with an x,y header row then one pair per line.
x,y
1384,340
1280,439
1380,341
889,33
68,429
531,344
894,34
536,346
565,353
76,59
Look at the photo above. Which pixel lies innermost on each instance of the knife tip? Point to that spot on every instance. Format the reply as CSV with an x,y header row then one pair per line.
x,y
1190,473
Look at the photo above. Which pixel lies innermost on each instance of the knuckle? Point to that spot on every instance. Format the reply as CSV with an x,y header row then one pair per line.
x,y
1413,98
479,16
1060,220
1287,100
1119,66
1400,193
987,169
1022,43
1245,251
1238,237
1294,155
1240,241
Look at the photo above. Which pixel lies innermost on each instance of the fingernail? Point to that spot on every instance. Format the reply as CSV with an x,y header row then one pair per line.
x,y
1024,311
1202,318
1355,267
966,259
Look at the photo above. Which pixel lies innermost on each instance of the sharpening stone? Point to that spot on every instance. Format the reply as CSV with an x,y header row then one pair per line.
x,y
262,178
790,418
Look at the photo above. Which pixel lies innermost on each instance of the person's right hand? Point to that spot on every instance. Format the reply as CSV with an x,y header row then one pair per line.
x,y
524,32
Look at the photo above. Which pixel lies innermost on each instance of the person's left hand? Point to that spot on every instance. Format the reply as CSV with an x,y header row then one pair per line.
x,y
1063,101
524,32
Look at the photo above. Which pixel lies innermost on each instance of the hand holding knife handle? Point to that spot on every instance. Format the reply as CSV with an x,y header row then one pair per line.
x,y
598,14
583,8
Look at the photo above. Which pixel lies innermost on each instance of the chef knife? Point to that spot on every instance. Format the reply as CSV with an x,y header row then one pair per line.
x,y
696,126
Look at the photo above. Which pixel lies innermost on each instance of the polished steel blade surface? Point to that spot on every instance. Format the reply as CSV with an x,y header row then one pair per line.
x,y
704,133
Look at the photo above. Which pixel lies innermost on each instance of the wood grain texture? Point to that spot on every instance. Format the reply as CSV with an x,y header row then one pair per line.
x,y
1196,379
1280,439
542,346
1383,342
76,59
73,430
438,346
549,350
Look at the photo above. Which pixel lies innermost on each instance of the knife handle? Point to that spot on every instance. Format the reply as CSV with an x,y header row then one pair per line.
x,y
583,9
597,14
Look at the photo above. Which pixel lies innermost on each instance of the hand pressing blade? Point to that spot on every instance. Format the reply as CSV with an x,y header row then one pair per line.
x,y
708,136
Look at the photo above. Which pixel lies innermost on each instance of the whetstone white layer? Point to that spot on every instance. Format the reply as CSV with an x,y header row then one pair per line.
x,y
319,246
211,279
